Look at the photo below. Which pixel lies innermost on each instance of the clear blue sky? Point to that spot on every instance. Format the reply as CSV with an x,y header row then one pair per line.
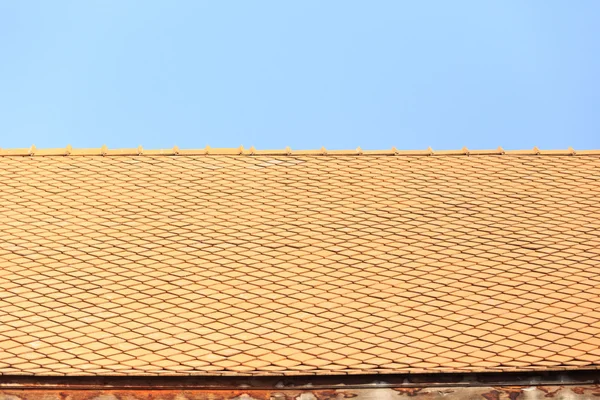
x,y
303,73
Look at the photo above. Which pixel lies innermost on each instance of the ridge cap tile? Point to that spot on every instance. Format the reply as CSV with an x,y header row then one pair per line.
x,y
287,151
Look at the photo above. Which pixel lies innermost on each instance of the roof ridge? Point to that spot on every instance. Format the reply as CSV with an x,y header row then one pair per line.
x,y
233,151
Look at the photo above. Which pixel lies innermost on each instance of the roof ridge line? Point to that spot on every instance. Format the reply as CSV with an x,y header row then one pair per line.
x,y
236,151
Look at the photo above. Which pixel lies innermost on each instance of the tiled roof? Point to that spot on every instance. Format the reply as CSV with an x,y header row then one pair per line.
x,y
285,262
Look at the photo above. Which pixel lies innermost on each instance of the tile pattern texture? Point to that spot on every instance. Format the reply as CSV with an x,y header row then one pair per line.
x,y
202,265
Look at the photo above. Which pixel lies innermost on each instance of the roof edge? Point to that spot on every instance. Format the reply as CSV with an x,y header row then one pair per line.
x,y
266,382
239,151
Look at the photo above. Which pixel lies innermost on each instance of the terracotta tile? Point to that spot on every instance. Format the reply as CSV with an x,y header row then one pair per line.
x,y
298,263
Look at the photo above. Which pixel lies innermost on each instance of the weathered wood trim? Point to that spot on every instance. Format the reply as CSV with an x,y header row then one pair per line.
x,y
359,381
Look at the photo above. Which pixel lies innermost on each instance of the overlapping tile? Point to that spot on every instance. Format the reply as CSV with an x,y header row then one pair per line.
x,y
284,263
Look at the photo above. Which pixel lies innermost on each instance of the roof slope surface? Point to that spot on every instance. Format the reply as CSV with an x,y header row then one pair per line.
x,y
298,264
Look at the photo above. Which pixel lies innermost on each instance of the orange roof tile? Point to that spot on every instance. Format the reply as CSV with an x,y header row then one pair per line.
x,y
241,261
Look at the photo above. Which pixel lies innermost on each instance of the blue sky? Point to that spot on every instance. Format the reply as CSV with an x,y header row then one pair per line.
x,y
300,73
